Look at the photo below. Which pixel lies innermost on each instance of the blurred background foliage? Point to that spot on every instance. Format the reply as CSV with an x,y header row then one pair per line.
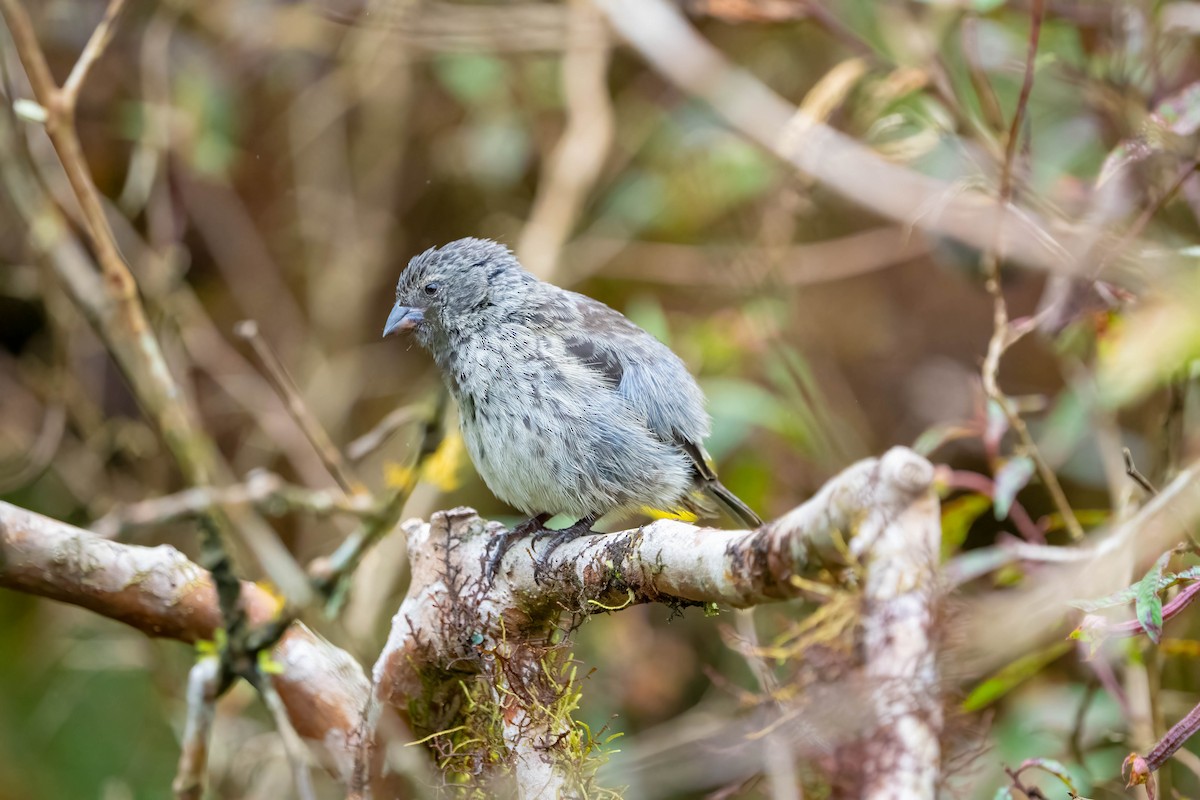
x,y
281,162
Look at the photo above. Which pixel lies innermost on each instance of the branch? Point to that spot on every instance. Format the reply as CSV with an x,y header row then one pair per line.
x,y
264,490
193,753
107,296
161,593
573,167
452,624
659,32
455,638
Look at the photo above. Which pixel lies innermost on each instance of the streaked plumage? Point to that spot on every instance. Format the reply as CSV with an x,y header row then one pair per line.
x,y
566,406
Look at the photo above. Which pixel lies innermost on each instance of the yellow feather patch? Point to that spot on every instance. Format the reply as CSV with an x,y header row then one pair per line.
x,y
681,514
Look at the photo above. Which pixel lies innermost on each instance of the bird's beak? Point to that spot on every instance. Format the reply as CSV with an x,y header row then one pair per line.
x,y
403,318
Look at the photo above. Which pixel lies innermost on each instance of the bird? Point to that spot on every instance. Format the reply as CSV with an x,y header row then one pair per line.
x,y
566,407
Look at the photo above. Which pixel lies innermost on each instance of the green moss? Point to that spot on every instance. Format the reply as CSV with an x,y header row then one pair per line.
x,y
460,716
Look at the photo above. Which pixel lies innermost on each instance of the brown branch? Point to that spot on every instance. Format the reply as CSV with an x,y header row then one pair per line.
x,y
289,393
1036,13
1135,474
266,491
107,296
95,47
573,167
161,593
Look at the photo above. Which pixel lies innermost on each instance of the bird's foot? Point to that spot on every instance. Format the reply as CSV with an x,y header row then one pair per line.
x,y
558,538
500,544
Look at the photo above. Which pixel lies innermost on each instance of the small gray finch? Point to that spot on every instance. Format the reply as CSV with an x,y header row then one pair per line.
x,y
566,406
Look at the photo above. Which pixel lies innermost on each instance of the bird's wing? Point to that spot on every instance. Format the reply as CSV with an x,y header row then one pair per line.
x,y
648,376
651,379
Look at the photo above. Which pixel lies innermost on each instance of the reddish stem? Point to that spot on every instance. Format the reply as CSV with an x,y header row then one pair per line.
x,y
974,482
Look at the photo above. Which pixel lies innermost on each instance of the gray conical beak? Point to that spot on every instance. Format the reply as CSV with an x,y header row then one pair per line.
x,y
403,318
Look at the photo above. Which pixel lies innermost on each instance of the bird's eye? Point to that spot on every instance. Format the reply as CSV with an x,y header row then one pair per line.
x,y
432,288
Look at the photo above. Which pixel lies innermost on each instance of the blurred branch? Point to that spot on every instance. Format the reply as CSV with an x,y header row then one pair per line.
x,y
193,752
1005,334
161,593
663,37
297,753
95,47
375,438
512,28
802,264
266,491
572,169
331,575
298,409
982,484
45,445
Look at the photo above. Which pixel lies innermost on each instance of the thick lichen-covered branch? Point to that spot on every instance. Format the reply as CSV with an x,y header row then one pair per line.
x,y
454,627
482,671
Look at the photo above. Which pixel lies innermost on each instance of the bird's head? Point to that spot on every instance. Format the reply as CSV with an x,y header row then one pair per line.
x,y
453,287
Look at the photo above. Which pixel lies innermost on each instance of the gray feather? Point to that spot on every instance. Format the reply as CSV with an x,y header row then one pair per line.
x,y
566,406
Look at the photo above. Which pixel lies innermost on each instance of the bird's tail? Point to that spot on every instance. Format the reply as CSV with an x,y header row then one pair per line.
x,y
732,503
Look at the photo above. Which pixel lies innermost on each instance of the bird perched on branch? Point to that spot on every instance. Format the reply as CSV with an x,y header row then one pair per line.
x,y
566,406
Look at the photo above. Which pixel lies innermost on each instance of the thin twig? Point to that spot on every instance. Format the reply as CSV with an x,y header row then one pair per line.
x,y
282,381
268,492
1004,335
330,575
1132,471
193,754
95,47
375,438
572,169
1037,12
984,92
293,745
60,126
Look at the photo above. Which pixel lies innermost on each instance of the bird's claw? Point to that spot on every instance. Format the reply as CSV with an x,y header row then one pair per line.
x,y
494,553
557,539
500,544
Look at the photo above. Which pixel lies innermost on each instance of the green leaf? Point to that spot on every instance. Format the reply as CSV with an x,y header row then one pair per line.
x,y
1154,344
1011,479
938,435
1126,596
1012,675
473,79
1055,768
957,517
1003,793
1148,603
